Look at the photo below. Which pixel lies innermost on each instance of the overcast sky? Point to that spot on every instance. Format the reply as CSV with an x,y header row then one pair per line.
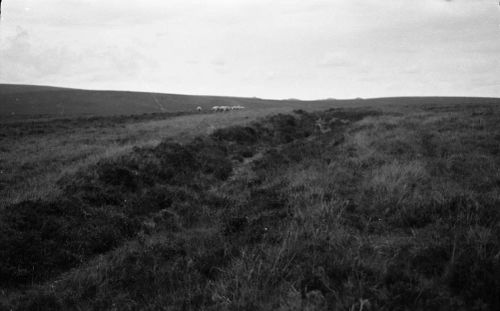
x,y
266,48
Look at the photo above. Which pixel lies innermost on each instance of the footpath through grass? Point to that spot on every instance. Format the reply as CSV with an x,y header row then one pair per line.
x,y
347,209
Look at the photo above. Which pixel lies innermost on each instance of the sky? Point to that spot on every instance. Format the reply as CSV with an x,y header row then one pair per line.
x,y
300,49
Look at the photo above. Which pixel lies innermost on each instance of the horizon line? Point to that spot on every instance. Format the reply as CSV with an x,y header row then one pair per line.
x,y
247,97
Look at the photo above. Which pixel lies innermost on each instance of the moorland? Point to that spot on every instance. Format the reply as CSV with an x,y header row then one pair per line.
x,y
384,204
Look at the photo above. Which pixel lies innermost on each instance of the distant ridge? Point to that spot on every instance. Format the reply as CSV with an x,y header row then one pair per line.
x,y
46,100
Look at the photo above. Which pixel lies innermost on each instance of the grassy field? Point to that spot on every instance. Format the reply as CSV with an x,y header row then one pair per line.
x,y
391,206
21,101
34,154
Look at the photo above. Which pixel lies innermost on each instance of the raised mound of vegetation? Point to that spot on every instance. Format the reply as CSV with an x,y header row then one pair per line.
x,y
346,209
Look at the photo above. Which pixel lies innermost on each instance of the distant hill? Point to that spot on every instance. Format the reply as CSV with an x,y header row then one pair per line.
x,y
44,100
427,100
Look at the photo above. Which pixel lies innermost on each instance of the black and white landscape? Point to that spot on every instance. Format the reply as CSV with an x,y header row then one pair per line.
x,y
250,155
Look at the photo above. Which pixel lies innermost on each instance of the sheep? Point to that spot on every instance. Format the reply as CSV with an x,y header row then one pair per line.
x,y
199,109
226,108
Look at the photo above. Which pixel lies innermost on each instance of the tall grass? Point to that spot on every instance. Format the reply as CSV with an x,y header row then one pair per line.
x,y
32,161
388,210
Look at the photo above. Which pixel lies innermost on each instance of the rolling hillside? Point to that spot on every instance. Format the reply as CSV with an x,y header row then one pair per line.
x,y
373,204
41,100
22,100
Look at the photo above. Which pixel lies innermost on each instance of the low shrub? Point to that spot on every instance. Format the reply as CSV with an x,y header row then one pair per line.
x,y
243,135
40,239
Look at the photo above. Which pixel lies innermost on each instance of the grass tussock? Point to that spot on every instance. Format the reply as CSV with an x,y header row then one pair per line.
x,y
340,210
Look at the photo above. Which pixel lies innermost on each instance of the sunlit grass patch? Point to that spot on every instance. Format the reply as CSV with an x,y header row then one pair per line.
x,y
396,183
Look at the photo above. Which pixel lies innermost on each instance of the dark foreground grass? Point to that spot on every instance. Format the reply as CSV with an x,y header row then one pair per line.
x,y
341,210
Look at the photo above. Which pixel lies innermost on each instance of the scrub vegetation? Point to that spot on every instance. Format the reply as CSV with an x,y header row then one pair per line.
x,y
377,208
36,152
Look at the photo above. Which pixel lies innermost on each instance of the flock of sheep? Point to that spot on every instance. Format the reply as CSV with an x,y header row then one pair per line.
x,y
226,108
222,108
